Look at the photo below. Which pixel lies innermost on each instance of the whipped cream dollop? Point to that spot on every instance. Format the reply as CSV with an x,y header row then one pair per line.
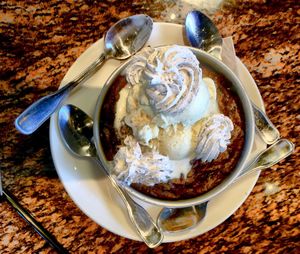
x,y
133,166
172,82
172,79
214,137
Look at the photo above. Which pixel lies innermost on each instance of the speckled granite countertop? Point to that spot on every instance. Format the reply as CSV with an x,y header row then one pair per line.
x,y
39,42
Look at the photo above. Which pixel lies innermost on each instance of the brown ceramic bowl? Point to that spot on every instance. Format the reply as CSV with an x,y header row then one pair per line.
x,y
216,66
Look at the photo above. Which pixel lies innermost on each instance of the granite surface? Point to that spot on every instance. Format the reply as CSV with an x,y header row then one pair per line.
x,y
39,41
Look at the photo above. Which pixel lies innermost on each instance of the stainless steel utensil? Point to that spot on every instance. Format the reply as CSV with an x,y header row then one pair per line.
x,y
25,214
202,33
174,220
76,129
122,40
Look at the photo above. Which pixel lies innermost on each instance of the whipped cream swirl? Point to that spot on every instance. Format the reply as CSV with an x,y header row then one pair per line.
x,y
214,137
132,166
171,76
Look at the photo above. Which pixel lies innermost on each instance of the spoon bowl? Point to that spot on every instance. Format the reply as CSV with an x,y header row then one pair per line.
x,y
127,36
202,33
122,40
77,130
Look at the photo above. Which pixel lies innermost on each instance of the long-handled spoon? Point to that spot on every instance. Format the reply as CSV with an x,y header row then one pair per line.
x,y
202,33
122,40
76,129
175,220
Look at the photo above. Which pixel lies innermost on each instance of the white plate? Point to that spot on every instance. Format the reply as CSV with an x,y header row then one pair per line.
x,y
85,182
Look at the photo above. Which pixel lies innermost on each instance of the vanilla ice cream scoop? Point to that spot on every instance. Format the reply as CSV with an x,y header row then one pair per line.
x,y
176,142
213,137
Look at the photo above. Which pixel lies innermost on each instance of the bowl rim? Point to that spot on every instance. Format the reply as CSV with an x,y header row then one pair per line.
x,y
218,66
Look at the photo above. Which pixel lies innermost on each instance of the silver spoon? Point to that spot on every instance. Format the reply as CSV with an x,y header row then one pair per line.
x,y
172,220
76,129
122,40
202,33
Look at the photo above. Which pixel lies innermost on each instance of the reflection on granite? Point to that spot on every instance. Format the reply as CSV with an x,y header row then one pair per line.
x,y
40,41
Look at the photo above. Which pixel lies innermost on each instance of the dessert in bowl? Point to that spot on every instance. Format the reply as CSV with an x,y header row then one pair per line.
x,y
174,125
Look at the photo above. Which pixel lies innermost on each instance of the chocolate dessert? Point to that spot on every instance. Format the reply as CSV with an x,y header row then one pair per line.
x,y
203,175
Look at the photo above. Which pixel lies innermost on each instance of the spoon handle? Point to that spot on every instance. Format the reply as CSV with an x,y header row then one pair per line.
x,y
266,128
141,219
38,112
145,225
269,157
